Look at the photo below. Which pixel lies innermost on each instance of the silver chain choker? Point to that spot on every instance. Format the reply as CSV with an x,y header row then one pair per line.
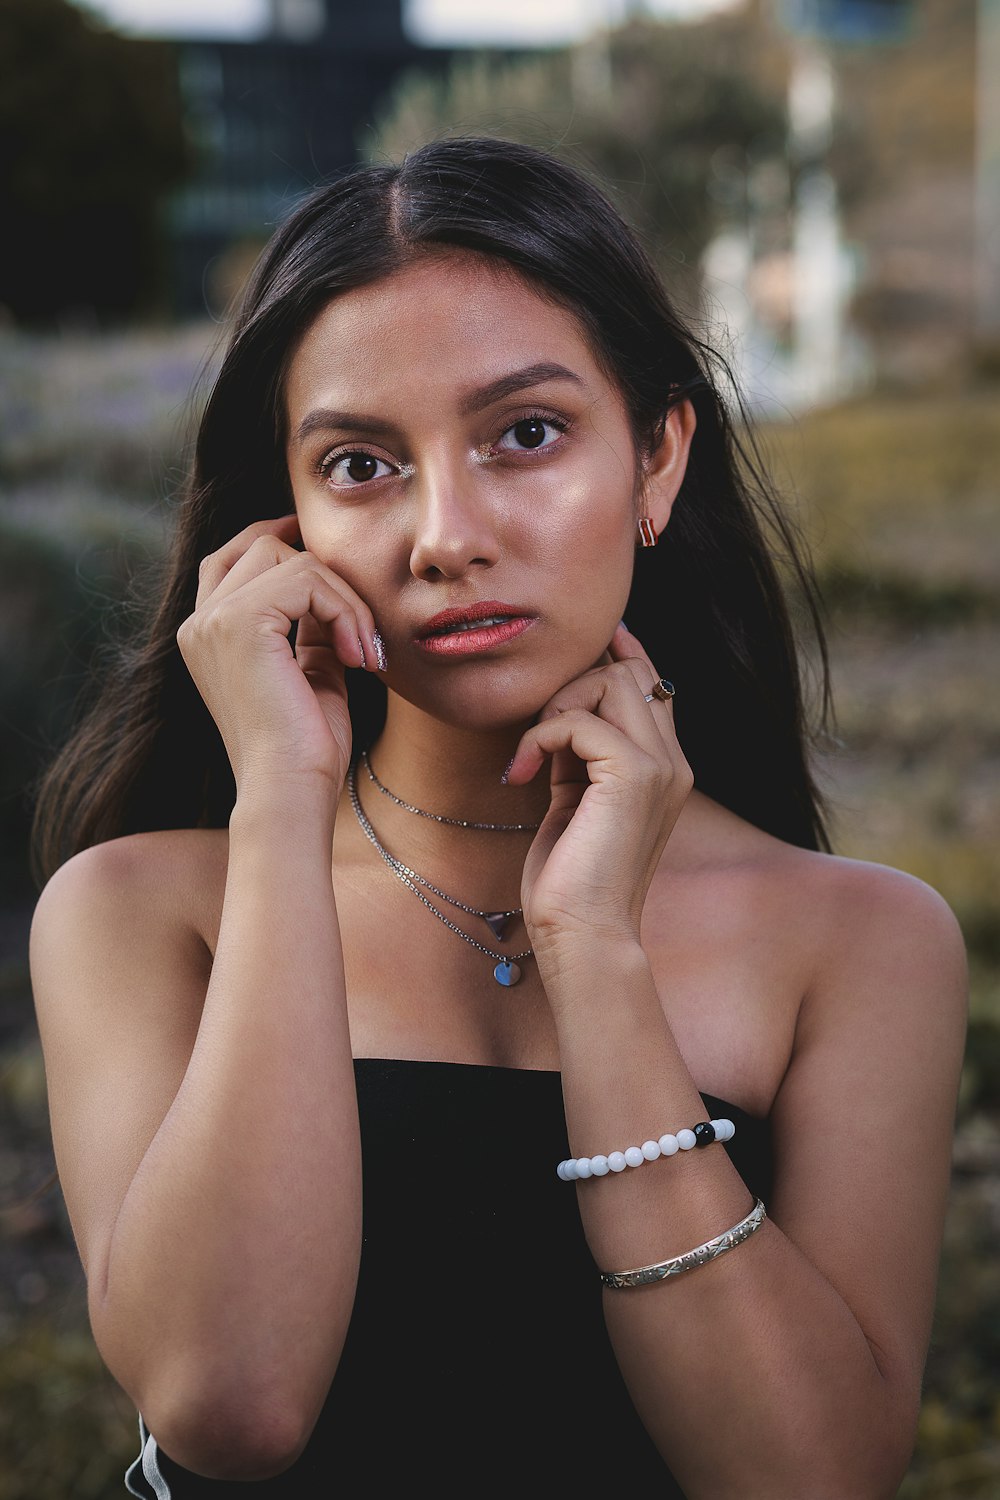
x,y
439,817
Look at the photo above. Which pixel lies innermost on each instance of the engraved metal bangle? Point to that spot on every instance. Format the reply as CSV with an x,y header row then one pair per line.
x,y
710,1250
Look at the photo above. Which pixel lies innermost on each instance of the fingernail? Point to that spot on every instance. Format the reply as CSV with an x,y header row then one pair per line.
x,y
379,652
361,648
506,773
624,626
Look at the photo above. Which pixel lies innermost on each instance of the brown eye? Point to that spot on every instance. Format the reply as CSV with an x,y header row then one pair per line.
x,y
349,470
530,433
361,466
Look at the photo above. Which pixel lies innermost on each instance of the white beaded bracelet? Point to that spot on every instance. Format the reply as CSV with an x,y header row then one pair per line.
x,y
634,1156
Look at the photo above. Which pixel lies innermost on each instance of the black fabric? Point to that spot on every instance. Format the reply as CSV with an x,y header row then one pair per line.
x,y
477,1356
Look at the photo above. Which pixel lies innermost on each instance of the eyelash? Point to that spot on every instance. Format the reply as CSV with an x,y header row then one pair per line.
x,y
331,459
559,423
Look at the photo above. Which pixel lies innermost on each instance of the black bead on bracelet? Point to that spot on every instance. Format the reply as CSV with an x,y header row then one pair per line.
x,y
634,1156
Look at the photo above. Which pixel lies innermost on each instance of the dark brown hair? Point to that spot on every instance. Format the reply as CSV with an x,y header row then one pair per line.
x,y
708,603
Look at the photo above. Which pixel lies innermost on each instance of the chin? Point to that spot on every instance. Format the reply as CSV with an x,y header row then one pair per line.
x,y
487,717
490,704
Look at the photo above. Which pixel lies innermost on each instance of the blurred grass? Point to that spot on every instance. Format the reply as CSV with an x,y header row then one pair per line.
x,y
900,502
66,1430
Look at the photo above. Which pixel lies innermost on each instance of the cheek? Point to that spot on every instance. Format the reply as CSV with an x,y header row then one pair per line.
x,y
339,542
600,517
595,490
324,529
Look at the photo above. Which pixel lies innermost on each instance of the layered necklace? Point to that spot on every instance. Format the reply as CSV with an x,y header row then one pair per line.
x,y
507,970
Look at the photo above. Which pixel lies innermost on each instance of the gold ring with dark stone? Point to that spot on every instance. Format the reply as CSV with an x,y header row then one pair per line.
x,y
662,689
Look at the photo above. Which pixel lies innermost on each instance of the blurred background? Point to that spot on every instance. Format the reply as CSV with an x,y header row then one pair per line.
x,y
819,181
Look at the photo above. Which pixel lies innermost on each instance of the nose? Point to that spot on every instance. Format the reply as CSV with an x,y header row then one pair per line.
x,y
454,527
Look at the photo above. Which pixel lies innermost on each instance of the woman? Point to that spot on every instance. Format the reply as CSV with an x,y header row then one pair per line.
x,y
399,905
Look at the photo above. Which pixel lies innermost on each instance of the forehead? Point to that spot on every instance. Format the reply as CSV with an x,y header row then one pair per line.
x,y
444,321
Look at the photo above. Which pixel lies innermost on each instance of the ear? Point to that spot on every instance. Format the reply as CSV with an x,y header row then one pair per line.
x,y
664,469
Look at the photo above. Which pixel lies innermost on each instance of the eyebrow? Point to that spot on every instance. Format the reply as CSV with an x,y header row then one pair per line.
x,y
477,400
517,380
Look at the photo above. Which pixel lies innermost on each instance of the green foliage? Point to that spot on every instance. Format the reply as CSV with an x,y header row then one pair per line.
x,y
902,491
92,136
981,1084
668,114
910,108
66,1428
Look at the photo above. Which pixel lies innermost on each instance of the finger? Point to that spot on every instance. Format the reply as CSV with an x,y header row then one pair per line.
x,y
313,641
321,662
213,568
218,579
273,602
628,647
267,552
614,695
310,633
601,749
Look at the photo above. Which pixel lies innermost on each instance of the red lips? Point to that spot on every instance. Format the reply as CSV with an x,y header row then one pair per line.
x,y
485,609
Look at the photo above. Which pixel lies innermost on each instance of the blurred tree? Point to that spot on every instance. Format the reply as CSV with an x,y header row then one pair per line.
x,y
673,115
913,106
90,138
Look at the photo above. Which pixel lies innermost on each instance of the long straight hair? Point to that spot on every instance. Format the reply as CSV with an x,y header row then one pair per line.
x,y
712,602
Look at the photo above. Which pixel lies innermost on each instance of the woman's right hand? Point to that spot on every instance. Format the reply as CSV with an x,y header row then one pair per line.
x,y
282,715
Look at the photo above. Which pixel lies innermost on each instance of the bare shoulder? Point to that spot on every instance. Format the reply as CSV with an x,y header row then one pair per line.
x,y
887,951
875,961
167,877
838,962
888,927
851,914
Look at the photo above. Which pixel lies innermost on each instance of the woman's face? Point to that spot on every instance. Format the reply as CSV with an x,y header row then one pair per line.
x,y
452,440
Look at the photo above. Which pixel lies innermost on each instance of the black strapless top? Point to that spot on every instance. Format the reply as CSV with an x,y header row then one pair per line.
x,y
477,1356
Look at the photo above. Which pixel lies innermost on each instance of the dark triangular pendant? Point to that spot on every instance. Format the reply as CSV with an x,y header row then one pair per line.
x,y
497,922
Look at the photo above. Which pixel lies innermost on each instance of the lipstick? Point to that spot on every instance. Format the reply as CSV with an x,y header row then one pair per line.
x,y
465,629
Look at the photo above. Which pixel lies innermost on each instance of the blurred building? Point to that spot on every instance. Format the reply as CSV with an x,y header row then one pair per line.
x,y
856,261
269,119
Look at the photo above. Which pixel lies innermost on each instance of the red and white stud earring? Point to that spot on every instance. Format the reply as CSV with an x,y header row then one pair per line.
x,y
647,531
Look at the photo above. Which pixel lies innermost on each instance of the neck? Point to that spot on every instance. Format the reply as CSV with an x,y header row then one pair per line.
x,y
454,771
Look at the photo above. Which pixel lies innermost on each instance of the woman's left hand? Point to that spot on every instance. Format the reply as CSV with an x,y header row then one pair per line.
x,y
619,780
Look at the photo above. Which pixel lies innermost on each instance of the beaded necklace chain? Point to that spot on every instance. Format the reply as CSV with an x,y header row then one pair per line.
x,y
507,972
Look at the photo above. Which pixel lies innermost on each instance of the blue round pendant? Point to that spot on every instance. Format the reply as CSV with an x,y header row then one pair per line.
x,y
506,973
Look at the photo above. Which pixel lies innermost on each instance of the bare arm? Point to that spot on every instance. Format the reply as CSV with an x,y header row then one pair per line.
x,y
213,1179
792,1365
206,1124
